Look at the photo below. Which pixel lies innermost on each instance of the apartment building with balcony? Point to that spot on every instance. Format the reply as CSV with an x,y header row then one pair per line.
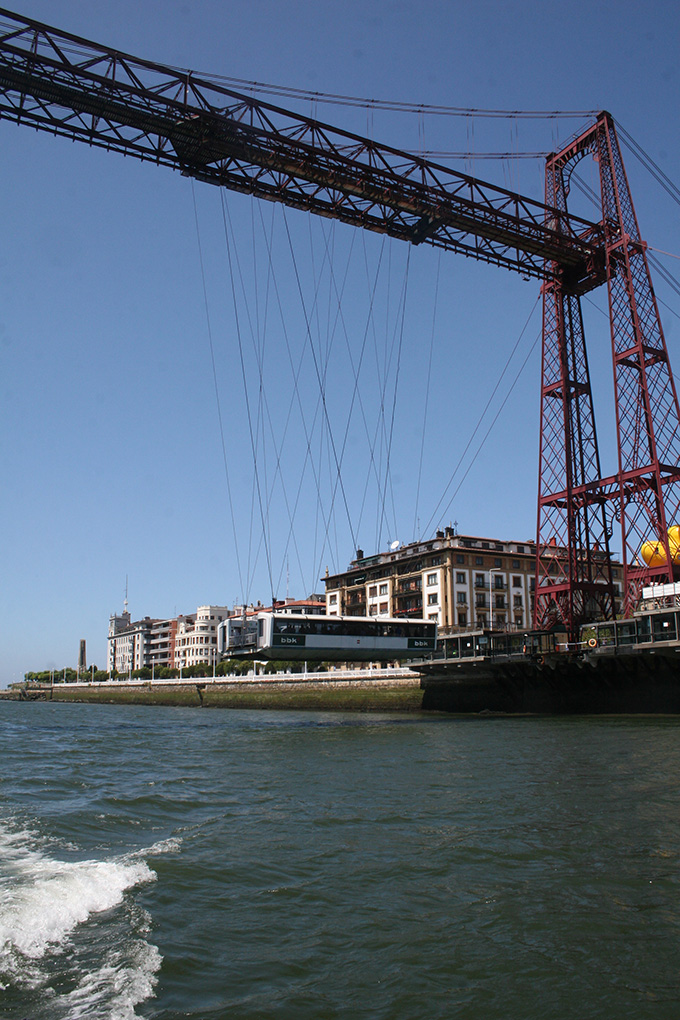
x,y
179,642
196,637
162,642
129,643
187,640
459,581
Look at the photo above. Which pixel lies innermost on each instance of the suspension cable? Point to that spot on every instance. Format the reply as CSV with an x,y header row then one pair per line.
x,y
648,163
427,400
217,394
356,371
490,428
396,384
481,418
397,106
308,455
319,377
297,398
665,274
265,537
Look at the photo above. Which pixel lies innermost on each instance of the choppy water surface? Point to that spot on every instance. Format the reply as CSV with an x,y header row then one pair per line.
x,y
173,863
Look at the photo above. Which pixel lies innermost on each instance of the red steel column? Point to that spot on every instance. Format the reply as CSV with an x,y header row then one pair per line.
x,y
647,413
573,573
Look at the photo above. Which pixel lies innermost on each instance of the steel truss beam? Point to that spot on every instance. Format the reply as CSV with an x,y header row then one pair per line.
x,y
69,86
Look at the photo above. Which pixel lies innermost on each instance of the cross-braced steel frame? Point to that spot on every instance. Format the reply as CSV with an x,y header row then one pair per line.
x,y
576,505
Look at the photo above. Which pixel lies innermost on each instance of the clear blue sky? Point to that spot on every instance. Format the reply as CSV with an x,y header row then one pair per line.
x,y
111,453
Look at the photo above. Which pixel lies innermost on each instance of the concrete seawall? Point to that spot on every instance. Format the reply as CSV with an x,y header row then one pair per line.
x,y
388,694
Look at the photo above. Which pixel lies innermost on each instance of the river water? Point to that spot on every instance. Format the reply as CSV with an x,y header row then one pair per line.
x,y
187,863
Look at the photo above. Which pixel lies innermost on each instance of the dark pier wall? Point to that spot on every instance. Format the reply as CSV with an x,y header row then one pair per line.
x,y
634,683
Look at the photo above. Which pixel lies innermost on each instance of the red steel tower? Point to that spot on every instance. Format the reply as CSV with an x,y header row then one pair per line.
x,y
577,507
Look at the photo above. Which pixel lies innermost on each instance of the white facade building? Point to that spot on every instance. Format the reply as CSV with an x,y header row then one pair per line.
x,y
177,643
196,637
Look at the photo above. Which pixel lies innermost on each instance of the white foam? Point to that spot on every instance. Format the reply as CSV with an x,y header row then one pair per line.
x,y
43,900
116,987
56,896
163,846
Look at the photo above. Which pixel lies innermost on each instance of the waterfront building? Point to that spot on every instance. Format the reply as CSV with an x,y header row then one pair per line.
x,y
458,581
177,643
162,642
314,605
196,637
185,640
129,643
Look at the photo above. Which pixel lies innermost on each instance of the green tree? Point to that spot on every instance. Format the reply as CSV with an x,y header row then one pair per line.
x,y
166,673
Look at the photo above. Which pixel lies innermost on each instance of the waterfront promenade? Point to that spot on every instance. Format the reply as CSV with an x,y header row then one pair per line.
x,y
393,689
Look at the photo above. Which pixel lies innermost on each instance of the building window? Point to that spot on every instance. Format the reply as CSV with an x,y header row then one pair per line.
x,y
479,561
372,610
432,579
461,598
460,577
498,581
383,589
332,600
383,607
459,558
519,620
479,580
520,548
498,562
435,561
517,582
372,592
517,601
433,599
433,616
515,564
462,619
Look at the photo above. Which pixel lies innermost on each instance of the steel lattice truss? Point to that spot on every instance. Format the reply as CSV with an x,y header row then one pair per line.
x,y
58,82
61,83
574,499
